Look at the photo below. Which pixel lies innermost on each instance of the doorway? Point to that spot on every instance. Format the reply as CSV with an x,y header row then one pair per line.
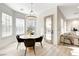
x,y
48,27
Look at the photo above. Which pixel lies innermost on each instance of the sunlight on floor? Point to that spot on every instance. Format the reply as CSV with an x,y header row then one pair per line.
x,y
75,51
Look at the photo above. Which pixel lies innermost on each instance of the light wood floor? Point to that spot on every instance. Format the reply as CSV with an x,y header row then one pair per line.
x,y
47,50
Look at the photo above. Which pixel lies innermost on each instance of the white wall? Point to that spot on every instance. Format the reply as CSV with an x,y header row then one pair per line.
x,y
61,23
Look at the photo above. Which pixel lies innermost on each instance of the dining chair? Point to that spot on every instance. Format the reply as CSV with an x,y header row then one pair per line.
x,y
39,39
20,40
29,43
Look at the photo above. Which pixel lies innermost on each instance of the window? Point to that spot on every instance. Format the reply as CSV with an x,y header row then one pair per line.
x,y
19,26
6,25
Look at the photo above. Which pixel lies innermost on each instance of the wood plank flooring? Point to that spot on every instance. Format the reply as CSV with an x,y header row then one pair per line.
x,y
47,50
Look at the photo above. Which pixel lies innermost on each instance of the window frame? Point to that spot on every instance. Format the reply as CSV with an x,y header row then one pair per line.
x,y
7,18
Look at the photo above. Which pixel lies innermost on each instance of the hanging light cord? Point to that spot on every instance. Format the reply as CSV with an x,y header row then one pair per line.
x,y
31,14
31,11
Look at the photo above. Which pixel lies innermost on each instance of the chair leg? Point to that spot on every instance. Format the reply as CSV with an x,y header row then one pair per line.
x,y
25,51
41,44
18,45
34,50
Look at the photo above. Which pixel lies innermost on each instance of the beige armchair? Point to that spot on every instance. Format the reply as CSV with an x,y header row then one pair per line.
x,y
67,38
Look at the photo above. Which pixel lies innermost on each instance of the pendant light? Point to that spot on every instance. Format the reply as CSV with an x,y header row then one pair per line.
x,y
31,16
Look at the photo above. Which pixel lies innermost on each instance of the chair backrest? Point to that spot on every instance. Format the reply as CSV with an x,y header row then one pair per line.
x,y
39,39
29,42
19,39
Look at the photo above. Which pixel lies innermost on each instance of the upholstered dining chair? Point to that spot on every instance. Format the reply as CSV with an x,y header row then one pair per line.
x,y
29,43
39,39
20,40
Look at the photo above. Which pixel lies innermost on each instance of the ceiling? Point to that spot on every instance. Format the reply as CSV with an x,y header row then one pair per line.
x,y
25,8
70,10
38,8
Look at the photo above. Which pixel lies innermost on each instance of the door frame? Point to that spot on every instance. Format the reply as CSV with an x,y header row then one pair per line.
x,y
51,41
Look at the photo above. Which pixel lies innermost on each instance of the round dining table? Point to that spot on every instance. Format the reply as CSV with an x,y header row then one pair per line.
x,y
28,36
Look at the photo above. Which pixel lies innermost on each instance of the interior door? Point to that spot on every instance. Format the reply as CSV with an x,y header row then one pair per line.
x,y
48,22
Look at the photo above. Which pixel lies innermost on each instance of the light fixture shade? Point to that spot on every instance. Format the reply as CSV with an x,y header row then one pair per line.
x,y
31,17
